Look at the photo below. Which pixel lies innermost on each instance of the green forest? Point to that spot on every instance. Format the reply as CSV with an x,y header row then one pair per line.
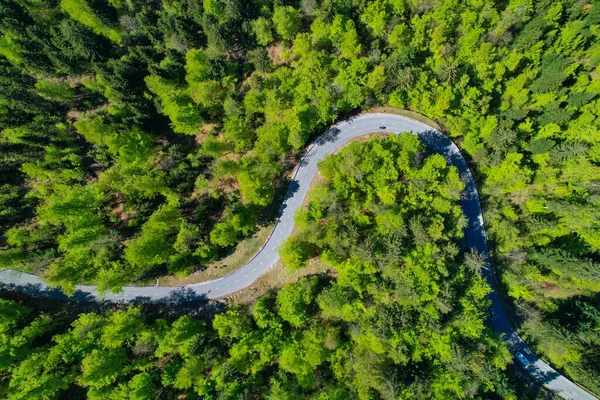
x,y
147,138
371,331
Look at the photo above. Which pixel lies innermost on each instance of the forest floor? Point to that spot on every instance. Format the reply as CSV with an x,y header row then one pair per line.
x,y
275,278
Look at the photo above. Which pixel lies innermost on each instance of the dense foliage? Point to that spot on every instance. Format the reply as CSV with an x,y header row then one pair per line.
x,y
403,318
386,218
140,138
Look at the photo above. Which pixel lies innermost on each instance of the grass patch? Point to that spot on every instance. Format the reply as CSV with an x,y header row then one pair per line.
x,y
275,278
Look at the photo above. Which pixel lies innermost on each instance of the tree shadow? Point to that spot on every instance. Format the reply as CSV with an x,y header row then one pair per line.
x,y
575,320
183,295
176,296
469,197
542,376
181,301
293,188
328,137
442,145
169,307
305,160
39,290
570,312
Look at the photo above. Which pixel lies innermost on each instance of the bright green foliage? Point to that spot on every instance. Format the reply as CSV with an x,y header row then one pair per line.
x,y
303,354
345,38
86,241
113,356
154,245
263,30
255,181
31,379
197,66
226,232
181,337
177,105
81,11
286,21
376,16
203,90
508,177
231,324
58,91
209,95
137,105
237,130
402,297
131,148
19,330
293,300
120,327
395,261
140,387
9,48
295,253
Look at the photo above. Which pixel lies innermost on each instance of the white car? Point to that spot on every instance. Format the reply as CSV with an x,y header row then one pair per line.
x,y
522,359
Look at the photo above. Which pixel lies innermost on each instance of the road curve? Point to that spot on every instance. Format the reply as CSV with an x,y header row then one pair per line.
x,y
268,255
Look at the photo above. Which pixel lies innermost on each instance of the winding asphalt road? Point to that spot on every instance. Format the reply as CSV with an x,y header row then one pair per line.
x,y
268,255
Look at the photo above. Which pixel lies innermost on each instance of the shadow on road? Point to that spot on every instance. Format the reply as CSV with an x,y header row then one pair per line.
x,y
293,188
177,295
31,289
328,137
305,160
542,377
442,145
183,295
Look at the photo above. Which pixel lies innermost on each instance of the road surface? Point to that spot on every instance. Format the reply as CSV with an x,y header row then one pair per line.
x,y
268,255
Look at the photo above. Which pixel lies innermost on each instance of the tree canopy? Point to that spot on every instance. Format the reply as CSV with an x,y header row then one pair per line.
x,y
402,314
141,139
